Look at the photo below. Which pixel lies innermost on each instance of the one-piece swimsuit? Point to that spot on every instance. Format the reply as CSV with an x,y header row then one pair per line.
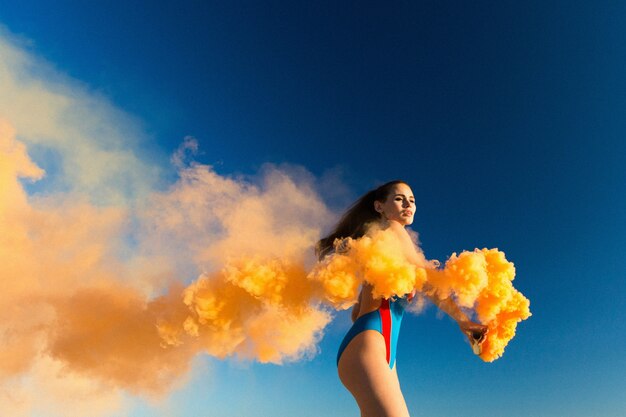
x,y
386,320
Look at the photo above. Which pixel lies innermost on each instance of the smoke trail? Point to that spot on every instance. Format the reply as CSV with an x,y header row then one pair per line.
x,y
66,295
32,270
94,147
96,260
257,304
255,309
73,299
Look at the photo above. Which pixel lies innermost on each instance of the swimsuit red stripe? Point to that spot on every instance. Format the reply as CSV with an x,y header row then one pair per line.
x,y
385,318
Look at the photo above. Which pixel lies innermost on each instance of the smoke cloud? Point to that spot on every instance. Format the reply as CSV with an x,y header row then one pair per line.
x,y
480,281
74,299
68,301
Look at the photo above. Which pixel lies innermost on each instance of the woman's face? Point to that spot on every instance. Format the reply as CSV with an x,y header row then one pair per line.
x,y
399,205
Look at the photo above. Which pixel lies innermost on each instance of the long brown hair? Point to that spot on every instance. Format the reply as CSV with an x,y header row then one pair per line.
x,y
354,221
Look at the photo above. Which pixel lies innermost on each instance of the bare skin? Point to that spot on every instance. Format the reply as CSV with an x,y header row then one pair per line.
x,y
364,371
363,368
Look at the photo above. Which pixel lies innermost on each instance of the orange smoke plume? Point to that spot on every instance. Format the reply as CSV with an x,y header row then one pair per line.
x,y
64,295
479,281
378,258
95,295
482,281
254,309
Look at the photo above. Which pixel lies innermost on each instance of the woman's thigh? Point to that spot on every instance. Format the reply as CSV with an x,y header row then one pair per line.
x,y
364,371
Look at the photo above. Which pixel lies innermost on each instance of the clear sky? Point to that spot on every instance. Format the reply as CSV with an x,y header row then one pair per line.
x,y
507,118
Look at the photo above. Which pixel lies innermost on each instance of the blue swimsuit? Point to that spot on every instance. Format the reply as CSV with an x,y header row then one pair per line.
x,y
386,320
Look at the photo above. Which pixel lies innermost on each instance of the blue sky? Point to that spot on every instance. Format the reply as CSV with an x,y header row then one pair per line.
x,y
507,119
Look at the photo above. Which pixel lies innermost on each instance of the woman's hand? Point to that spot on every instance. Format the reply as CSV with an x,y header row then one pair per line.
x,y
475,332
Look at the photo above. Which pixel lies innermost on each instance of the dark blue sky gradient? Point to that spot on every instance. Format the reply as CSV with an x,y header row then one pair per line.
x,y
507,118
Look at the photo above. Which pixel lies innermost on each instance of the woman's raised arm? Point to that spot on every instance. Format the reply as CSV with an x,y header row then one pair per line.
x,y
475,332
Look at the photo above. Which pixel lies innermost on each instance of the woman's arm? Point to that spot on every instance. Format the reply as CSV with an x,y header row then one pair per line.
x,y
475,332
447,305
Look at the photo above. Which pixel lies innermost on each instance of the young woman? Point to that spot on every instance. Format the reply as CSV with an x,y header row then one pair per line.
x,y
366,359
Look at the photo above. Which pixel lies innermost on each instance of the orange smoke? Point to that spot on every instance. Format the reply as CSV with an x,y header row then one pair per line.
x,y
94,295
482,280
378,258
64,294
254,308
479,281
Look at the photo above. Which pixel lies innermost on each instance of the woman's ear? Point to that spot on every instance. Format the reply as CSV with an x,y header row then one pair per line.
x,y
378,206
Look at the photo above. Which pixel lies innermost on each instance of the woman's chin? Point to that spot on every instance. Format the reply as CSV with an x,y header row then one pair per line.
x,y
406,220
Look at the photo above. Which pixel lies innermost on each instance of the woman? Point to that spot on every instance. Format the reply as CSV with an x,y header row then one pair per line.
x,y
366,359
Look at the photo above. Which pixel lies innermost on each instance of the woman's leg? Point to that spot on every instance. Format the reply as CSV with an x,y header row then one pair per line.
x,y
364,371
